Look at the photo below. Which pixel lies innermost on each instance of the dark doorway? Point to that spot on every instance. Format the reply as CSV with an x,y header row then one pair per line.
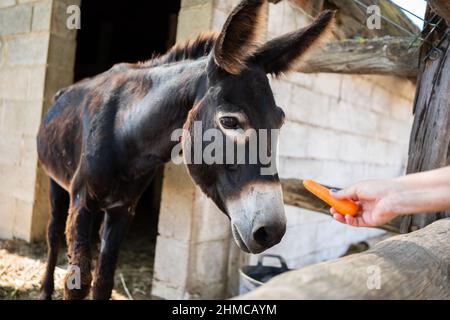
x,y
123,31
129,31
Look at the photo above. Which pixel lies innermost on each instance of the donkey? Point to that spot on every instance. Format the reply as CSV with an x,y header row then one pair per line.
x,y
104,138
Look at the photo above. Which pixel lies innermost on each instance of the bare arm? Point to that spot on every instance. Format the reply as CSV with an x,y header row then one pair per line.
x,y
383,200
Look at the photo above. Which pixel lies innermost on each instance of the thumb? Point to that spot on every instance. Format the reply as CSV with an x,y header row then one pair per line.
x,y
347,193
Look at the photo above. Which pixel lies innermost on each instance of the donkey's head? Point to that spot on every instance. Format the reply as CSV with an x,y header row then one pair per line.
x,y
239,98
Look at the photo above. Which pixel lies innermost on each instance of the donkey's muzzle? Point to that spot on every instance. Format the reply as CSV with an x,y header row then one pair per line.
x,y
257,217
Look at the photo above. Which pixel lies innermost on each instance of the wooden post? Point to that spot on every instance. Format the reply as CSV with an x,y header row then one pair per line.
x,y
430,137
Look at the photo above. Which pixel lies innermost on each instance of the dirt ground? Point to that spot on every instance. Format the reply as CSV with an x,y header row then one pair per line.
x,y
22,266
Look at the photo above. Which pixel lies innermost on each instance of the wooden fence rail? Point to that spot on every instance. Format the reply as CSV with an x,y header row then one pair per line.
x,y
410,266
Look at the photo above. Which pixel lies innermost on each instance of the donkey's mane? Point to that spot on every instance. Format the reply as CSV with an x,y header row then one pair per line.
x,y
192,49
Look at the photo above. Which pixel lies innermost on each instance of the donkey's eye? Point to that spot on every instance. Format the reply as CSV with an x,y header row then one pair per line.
x,y
229,123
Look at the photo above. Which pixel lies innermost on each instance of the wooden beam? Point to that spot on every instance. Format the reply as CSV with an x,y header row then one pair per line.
x,y
411,266
429,146
295,194
442,8
388,56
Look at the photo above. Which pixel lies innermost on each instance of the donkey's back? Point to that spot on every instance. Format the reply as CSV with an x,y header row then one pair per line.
x,y
80,125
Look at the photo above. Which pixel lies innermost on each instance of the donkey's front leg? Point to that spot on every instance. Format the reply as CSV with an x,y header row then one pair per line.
x,y
78,232
115,226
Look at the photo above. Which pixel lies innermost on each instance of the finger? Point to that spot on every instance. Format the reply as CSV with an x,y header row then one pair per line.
x,y
333,211
347,193
350,220
357,221
339,217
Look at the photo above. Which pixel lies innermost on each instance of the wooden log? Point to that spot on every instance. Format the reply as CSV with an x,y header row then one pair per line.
x,y
295,194
410,266
389,56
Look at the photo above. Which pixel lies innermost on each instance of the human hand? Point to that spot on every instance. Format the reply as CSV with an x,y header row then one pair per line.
x,y
375,199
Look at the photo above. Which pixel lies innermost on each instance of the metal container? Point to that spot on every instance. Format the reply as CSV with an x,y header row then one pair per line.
x,y
251,277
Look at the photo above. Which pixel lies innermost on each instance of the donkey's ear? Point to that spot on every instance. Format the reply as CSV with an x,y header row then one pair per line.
x,y
239,36
283,54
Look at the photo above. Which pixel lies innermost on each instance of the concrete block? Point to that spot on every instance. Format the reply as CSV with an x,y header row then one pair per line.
x,y
28,50
302,79
2,52
235,261
7,3
18,182
328,83
176,211
193,20
22,83
209,262
13,83
28,152
14,20
308,106
172,261
357,91
275,20
402,109
284,18
21,117
381,100
22,219
10,148
224,5
282,92
7,208
36,83
323,143
166,290
193,3
218,19
209,222
42,13
293,140
347,117
211,291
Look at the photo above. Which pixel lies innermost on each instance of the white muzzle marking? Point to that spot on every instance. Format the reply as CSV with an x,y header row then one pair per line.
x,y
259,205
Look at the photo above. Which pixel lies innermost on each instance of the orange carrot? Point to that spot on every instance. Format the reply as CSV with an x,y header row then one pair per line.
x,y
344,207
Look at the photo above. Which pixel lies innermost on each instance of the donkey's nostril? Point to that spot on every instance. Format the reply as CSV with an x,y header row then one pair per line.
x,y
269,235
261,236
